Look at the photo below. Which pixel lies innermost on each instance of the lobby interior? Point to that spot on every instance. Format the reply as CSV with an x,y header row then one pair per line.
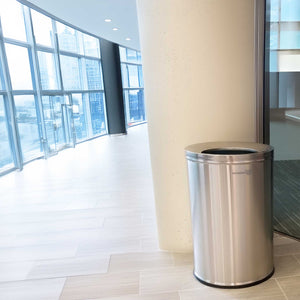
x,y
82,224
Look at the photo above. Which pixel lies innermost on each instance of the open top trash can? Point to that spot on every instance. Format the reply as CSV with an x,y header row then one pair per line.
x,y
231,203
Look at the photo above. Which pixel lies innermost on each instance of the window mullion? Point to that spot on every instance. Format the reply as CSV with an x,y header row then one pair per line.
x,y
57,56
36,81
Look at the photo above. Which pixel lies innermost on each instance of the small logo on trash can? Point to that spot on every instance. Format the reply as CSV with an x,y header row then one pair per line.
x,y
246,172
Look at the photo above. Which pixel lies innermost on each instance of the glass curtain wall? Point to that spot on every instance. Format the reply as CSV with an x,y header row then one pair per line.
x,y
51,86
133,86
20,92
81,72
283,90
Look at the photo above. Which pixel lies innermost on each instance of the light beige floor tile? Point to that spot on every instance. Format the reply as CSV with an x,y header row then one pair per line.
x,y
142,231
289,246
167,296
168,280
49,289
48,216
286,266
280,239
276,235
73,237
37,252
139,203
128,221
51,238
69,267
267,290
290,286
80,204
149,219
149,244
125,232
14,271
51,226
183,259
7,240
107,245
139,261
101,286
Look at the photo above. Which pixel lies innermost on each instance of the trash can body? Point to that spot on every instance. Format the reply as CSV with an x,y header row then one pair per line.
x,y
231,203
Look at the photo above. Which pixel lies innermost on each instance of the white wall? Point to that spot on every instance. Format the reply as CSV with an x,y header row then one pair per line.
x,y
198,62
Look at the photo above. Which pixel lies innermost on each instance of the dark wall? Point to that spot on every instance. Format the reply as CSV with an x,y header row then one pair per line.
x,y
113,87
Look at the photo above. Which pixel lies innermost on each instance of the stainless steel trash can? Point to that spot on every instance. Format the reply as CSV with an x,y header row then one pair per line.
x,y
231,203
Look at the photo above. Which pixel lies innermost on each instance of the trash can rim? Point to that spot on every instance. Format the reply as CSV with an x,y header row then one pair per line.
x,y
247,151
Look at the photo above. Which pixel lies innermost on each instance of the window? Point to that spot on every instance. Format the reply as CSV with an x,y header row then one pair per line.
x,y
80,116
49,121
27,125
139,57
67,38
290,35
122,54
6,160
91,46
125,79
129,55
12,20
141,78
42,28
2,85
133,76
81,71
97,113
135,110
94,76
274,10
70,72
274,36
19,67
50,89
48,72
133,86
290,10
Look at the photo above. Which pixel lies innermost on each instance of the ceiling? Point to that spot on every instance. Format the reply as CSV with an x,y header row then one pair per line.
x,y
89,15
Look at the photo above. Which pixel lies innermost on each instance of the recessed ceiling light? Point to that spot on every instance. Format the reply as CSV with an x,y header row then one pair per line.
x,y
107,20
115,29
128,39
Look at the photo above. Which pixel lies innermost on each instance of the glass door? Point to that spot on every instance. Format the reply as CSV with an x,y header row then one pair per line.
x,y
283,90
28,127
59,125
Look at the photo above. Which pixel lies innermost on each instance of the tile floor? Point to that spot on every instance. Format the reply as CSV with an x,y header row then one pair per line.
x,y
81,225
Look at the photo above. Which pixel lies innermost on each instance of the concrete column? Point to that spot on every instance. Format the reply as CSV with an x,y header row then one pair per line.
x,y
199,72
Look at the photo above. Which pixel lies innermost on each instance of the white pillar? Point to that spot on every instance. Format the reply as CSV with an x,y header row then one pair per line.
x,y
198,62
